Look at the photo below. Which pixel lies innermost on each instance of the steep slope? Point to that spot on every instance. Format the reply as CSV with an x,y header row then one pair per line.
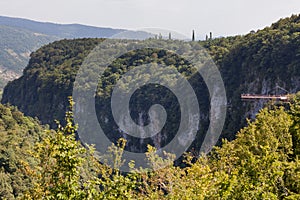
x,y
254,63
15,47
18,134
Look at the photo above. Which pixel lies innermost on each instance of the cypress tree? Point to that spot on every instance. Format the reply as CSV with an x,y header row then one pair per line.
x,y
193,36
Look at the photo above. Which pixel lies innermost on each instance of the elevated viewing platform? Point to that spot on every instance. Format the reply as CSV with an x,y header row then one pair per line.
x,y
270,97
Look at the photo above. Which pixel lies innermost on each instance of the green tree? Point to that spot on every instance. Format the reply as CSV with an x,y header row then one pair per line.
x,y
60,157
295,114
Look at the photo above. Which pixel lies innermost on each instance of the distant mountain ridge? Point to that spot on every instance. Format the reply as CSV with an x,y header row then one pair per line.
x,y
19,37
59,30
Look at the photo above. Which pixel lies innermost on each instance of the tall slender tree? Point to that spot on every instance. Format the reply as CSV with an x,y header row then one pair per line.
x,y
193,35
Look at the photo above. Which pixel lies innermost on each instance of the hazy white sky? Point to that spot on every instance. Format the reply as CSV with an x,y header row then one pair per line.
x,y
222,17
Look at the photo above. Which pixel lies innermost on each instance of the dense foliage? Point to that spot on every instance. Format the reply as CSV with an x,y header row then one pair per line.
x,y
261,163
17,137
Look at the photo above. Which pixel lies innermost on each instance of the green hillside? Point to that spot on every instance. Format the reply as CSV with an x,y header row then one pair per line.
x,y
254,63
18,135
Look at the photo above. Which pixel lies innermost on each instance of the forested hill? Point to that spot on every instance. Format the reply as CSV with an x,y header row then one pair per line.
x,y
255,63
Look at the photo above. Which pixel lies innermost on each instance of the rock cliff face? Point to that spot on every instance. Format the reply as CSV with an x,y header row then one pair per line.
x,y
265,62
268,87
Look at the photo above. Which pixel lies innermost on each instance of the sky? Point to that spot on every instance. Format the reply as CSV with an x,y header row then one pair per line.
x,y
221,17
